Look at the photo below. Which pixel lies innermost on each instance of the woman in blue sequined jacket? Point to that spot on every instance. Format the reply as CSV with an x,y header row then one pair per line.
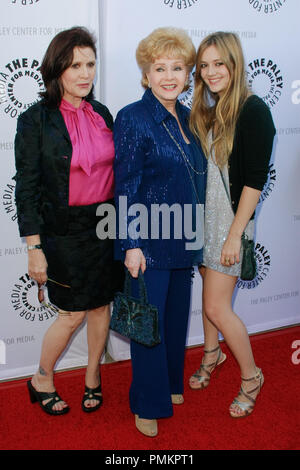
x,y
159,190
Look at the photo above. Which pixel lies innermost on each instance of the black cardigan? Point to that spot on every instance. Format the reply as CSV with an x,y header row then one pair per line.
x,y
248,163
43,152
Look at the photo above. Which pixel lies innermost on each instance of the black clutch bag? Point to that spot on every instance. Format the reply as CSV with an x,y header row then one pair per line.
x,y
133,317
249,268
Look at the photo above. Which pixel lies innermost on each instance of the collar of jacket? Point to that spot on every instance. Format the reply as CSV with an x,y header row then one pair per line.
x,y
58,121
158,111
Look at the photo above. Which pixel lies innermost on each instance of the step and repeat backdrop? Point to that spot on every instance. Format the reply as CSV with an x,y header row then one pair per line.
x,y
270,36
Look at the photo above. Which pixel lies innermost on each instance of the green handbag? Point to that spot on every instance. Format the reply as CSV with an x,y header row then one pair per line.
x,y
134,317
248,268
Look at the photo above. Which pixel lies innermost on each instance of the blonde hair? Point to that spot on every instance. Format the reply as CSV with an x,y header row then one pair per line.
x,y
165,42
209,111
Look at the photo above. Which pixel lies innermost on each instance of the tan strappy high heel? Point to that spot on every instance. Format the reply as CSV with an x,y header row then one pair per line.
x,y
202,381
248,407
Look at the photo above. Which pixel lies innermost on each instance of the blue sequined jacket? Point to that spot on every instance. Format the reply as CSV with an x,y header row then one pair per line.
x,y
149,170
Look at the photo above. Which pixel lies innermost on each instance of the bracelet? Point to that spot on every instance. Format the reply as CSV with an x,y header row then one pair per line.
x,y
34,247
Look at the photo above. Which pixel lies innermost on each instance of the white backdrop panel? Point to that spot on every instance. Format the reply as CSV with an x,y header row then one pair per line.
x,y
26,30
269,33
270,36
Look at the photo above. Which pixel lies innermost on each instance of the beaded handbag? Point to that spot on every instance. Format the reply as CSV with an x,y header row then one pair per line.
x,y
249,268
134,317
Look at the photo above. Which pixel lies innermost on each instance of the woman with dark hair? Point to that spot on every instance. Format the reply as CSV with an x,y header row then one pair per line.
x,y
64,159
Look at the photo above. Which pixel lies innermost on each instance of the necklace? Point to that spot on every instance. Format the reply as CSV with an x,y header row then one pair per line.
x,y
187,162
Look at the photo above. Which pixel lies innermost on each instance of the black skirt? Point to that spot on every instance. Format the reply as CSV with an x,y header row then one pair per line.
x,y
82,272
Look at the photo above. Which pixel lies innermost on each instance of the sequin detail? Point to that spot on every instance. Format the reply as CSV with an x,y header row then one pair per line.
x,y
149,170
218,220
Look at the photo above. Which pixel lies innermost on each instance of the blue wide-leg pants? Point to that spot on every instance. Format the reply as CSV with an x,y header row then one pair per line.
x,y
157,372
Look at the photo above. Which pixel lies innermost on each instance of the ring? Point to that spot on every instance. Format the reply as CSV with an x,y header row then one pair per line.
x,y
227,260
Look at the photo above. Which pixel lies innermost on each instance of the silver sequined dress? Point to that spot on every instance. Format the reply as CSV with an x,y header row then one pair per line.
x,y
218,219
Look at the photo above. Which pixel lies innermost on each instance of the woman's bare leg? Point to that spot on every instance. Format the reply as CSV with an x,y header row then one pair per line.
x,y
97,329
210,331
211,338
218,292
54,343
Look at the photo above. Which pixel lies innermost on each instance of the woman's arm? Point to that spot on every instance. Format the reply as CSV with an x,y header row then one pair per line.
x,y
257,133
247,204
28,175
128,170
37,263
28,191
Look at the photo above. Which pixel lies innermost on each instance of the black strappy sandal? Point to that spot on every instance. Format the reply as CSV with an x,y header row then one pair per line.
x,y
90,394
39,397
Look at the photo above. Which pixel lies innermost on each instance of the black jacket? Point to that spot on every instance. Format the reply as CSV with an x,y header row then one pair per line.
x,y
252,148
43,152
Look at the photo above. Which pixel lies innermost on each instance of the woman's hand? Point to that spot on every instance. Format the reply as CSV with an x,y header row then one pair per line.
x,y
230,253
135,260
37,266
231,249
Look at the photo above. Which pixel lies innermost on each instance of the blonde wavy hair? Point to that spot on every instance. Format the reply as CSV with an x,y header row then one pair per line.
x,y
165,42
209,111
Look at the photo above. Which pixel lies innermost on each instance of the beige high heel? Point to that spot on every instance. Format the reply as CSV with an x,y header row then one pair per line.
x,y
177,399
148,427
248,407
202,380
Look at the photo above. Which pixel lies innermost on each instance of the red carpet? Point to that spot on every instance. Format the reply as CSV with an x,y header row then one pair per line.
x,y
202,422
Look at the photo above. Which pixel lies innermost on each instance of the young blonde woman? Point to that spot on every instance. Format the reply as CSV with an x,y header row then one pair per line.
x,y
236,131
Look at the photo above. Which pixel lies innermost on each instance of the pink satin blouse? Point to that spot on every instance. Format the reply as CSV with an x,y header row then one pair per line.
x,y
91,172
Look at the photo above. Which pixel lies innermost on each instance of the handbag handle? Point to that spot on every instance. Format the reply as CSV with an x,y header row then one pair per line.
x,y
142,286
244,236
